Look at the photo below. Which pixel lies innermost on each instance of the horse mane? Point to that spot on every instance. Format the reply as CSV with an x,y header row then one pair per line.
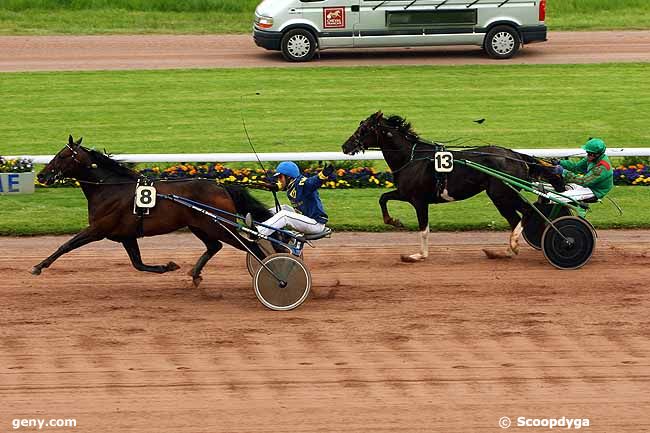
x,y
105,161
402,125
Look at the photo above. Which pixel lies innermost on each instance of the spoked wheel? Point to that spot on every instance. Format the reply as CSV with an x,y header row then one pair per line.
x,y
251,263
293,287
534,225
574,251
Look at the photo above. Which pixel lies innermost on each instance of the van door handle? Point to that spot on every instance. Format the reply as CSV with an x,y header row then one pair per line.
x,y
355,8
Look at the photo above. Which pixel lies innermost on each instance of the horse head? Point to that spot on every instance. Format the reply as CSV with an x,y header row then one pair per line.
x,y
69,162
365,137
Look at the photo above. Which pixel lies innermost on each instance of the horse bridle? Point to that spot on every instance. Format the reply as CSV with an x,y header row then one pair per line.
x,y
59,173
358,140
74,153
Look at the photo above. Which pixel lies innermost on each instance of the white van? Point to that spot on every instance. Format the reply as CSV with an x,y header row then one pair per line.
x,y
299,28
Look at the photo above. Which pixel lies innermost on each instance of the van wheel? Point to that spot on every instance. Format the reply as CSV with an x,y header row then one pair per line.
x,y
298,46
502,42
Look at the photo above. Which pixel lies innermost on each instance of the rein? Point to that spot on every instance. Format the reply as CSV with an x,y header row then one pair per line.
x,y
433,146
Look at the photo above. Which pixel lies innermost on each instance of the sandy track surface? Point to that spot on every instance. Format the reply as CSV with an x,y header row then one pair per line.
x,y
450,345
48,53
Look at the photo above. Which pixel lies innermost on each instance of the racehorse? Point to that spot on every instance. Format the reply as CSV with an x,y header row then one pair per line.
x,y
110,189
410,159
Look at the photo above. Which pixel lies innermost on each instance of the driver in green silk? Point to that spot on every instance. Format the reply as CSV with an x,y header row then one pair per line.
x,y
590,177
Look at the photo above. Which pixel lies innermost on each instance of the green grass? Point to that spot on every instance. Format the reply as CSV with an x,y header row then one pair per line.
x,y
317,109
235,16
598,14
113,21
63,211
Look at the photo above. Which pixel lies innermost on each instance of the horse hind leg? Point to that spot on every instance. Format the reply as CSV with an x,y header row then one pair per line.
x,y
133,250
212,247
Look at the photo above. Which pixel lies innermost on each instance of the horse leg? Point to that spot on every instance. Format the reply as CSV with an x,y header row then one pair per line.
x,y
507,203
383,200
133,250
212,247
85,237
422,211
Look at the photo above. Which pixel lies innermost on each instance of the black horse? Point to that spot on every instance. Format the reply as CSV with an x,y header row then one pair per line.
x,y
110,188
410,159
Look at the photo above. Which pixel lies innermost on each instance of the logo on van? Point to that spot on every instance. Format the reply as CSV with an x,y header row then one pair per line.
x,y
334,18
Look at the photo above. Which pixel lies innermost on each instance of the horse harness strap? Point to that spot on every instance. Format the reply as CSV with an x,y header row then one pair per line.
x,y
440,178
141,212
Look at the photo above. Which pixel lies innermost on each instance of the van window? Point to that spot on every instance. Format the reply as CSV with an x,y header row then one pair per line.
x,y
431,18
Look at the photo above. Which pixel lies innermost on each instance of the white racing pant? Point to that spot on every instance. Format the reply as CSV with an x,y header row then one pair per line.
x,y
287,217
576,192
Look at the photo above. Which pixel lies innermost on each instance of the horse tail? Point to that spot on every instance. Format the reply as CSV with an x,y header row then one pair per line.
x,y
245,203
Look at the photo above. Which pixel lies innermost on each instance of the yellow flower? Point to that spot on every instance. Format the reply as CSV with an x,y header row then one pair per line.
x,y
389,184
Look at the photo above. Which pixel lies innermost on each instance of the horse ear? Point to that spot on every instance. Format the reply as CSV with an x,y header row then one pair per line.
x,y
78,143
379,115
70,140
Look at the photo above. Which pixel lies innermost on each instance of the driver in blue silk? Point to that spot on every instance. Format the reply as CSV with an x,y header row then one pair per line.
x,y
306,213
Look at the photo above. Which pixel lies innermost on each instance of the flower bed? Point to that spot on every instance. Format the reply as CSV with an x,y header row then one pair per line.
x,y
19,165
638,174
358,177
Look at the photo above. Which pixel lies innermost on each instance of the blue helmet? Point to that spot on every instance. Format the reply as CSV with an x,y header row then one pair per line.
x,y
287,168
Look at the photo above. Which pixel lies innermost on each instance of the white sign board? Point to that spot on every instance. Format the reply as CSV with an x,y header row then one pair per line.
x,y
16,183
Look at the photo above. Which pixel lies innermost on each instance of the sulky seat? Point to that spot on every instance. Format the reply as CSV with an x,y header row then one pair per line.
x,y
324,234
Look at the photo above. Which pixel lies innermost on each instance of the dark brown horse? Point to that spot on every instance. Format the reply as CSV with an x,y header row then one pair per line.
x,y
110,190
410,159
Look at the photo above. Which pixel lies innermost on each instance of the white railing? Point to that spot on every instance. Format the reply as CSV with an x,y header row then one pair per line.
x,y
316,156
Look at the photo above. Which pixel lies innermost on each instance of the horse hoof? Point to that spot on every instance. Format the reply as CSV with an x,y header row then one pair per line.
x,y
171,266
493,255
196,281
35,271
412,259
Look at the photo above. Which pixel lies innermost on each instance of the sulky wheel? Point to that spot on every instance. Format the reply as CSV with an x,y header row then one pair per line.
x,y
293,288
574,251
267,248
534,226
251,263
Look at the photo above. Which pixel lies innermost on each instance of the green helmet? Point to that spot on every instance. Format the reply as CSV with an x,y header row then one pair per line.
x,y
595,145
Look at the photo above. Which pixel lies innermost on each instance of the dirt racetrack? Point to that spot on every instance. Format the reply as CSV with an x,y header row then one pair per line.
x,y
52,53
450,345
